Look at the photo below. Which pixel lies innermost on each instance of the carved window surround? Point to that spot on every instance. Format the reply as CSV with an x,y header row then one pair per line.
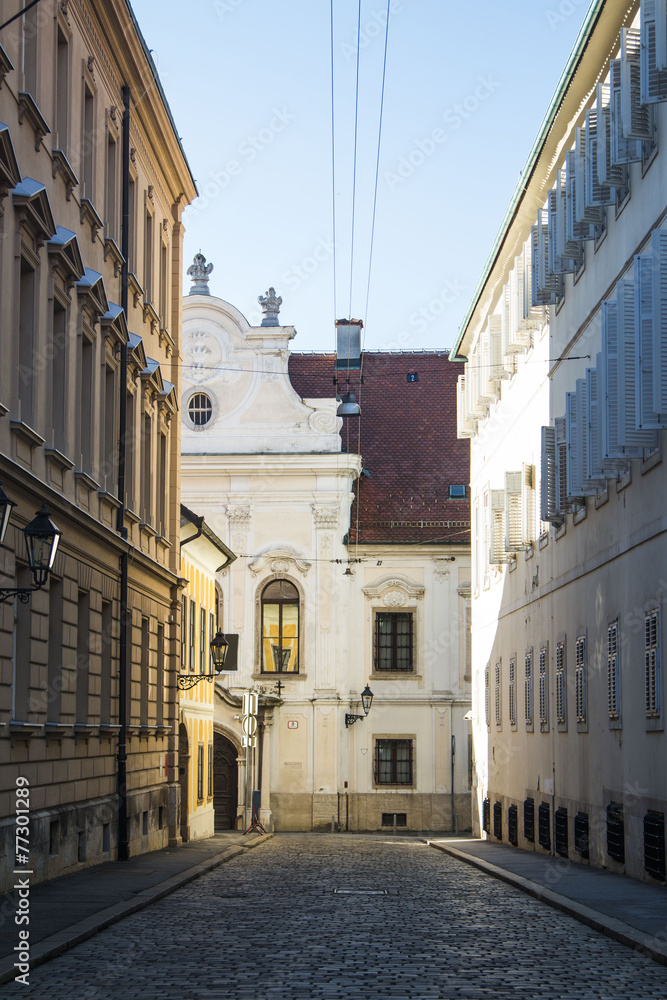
x,y
10,175
32,203
28,111
6,65
279,574
89,216
112,250
65,256
151,317
26,434
166,340
61,165
281,562
136,288
58,460
114,326
91,291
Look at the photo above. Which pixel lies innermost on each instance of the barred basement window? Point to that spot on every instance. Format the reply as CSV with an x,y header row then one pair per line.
x,y
544,689
513,825
654,845
544,825
581,834
388,819
512,692
560,832
652,661
615,832
613,671
529,820
498,691
528,688
393,762
393,641
200,409
561,687
497,821
486,815
580,679
487,697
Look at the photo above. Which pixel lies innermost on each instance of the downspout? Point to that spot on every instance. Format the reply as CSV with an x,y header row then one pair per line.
x,y
452,751
123,836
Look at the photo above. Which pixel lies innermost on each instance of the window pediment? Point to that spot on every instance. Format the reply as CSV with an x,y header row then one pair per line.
x,y
91,290
136,355
31,198
114,323
282,560
394,592
63,250
10,175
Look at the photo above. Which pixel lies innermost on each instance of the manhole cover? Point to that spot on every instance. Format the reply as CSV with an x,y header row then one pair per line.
x,y
360,892
125,871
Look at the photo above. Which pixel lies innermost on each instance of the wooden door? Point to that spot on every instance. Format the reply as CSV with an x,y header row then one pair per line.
x,y
225,782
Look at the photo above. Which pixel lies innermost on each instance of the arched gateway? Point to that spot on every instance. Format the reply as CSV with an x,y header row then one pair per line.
x,y
225,782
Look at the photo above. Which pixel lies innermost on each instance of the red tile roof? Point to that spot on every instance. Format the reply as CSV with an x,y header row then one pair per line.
x,y
407,438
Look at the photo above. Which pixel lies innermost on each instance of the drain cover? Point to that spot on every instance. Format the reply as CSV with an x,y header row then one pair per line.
x,y
360,892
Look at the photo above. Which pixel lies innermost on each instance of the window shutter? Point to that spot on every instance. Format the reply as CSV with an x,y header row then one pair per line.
x,y
646,415
574,230
547,287
659,252
597,194
574,486
497,552
497,324
613,672
610,394
608,173
652,663
590,484
637,118
580,679
653,54
593,468
476,406
465,423
570,251
561,465
622,150
518,509
582,211
533,315
548,481
488,388
561,690
628,433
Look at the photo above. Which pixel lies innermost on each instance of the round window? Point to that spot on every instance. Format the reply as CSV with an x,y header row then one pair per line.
x,y
200,409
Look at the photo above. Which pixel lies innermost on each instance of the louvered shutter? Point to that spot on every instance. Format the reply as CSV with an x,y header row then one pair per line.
x,y
488,387
596,194
548,479
589,486
646,415
465,423
571,252
518,508
609,173
628,432
653,55
659,253
561,465
574,486
476,407
622,150
499,369
582,211
547,287
574,230
593,467
533,315
611,446
636,117
497,553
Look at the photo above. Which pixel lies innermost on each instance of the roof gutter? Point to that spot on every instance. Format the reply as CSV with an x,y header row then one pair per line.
x,y
583,38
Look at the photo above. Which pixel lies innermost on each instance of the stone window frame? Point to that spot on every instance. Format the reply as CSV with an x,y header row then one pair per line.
x,y
258,673
398,594
395,737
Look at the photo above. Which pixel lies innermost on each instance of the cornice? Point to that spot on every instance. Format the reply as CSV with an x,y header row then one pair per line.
x,y
203,465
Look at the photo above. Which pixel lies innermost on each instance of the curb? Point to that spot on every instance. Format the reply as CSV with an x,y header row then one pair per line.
x,y
70,936
613,928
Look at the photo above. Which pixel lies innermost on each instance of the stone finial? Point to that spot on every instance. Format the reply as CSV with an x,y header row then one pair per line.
x,y
270,304
198,272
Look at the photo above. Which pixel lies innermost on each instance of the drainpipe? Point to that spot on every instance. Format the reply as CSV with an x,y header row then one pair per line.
x,y
123,836
452,740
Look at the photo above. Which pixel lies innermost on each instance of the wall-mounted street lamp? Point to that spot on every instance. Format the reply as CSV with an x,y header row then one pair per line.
x,y
218,647
41,539
366,702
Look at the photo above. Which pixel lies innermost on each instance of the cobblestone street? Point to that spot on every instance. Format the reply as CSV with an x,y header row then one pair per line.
x,y
347,916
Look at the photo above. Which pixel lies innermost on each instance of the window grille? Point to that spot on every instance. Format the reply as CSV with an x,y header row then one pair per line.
x,y
400,818
512,692
613,674
200,409
393,640
544,688
200,772
581,834
184,632
654,845
209,774
529,820
192,636
580,679
561,687
393,762
486,815
652,661
528,688
498,691
544,825
497,821
615,832
487,706
513,825
560,832
202,640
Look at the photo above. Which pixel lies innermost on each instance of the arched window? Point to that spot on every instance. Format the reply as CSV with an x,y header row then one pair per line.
x,y
280,628
200,409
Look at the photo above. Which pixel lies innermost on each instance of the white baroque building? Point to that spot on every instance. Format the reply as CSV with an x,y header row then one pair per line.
x,y
318,618
564,400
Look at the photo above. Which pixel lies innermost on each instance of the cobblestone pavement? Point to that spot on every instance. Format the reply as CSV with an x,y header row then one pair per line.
x,y
271,925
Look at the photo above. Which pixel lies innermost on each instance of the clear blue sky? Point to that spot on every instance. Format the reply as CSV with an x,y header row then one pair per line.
x,y
249,85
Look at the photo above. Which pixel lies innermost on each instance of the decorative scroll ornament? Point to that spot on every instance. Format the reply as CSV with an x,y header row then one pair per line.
x,y
323,422
325,515
270,303
394,599
280,561
239,517
198,272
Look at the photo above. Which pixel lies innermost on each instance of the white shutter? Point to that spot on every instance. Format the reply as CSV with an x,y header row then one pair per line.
x,y
548,480
589,486
659,252
561,465
571,252
643,273
574,486
574,230
596,194
615,175
609,396
488,387
628,433
519,509
653,52
475,405
465,423
636,117
622,150
547,287
593,467
533,315
582,211
497,324
497,553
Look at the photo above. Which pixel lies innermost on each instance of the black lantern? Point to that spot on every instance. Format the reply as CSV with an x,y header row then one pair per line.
x,y
366,701
6,506
41,539
348,406
219,647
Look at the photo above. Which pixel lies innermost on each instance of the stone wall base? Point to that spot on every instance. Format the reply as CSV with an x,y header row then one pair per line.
x,y
365,812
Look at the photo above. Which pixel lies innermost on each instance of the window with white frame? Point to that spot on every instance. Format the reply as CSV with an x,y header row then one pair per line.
x,y
511,701
544,688
652,662
580,680
613,672
561,684
528,688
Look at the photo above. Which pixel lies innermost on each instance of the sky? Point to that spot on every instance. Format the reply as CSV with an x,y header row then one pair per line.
x,y
249,85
